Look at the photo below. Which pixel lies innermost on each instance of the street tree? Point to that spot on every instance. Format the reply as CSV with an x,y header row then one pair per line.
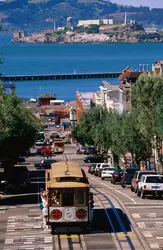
x,y
18,127
147,100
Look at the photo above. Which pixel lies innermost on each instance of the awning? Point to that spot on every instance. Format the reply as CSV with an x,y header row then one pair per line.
x,y
66,123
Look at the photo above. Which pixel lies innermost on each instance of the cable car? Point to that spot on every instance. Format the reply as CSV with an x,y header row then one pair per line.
x,y
58,146
68,198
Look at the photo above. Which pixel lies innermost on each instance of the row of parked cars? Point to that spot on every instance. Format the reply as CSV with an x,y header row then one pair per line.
x,y
103,170
142,182
86,150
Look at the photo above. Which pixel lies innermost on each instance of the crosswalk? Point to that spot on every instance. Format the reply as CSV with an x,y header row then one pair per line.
x,y
150,223
27,232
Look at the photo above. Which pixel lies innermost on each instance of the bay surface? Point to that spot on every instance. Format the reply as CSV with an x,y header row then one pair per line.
x,y
24,59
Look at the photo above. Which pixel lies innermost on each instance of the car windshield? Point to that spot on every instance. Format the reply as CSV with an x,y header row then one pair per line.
x,y
145,173
154,179
109,169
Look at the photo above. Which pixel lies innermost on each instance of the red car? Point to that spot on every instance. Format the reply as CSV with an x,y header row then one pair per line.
x,y
46,151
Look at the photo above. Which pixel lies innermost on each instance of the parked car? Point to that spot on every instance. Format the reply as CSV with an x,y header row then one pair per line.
x,y
107,173
127,176
91,168
90,151
97,169
136,178
40,143
39,151
94,158
81,150
45,163
116,176
18,181
150,185
46,151
101,167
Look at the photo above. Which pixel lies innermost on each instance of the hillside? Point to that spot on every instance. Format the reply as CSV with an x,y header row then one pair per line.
x,y
34,15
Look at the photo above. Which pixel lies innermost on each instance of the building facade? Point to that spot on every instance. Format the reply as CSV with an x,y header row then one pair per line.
x,y
157,68
83,103
96,21
45,99
109,97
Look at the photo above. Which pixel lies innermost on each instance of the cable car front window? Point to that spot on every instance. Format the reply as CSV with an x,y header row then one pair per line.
x,y
54,196
79,197
68,197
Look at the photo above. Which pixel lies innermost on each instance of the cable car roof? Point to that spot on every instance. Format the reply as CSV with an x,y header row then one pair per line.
x,y
59,169
66,175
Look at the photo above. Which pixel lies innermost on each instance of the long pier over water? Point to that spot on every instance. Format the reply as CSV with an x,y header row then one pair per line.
x,y
59,76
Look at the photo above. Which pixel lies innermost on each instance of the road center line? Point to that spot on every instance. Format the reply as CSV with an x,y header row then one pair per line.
x,y
116,191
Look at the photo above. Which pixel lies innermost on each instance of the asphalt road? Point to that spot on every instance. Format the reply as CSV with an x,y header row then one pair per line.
x,y
21,221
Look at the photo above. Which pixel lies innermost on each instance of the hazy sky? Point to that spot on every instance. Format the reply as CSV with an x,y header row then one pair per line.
x,y
150,3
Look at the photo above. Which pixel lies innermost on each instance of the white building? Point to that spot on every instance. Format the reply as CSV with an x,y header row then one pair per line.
x,y
151,30
110,97
86,23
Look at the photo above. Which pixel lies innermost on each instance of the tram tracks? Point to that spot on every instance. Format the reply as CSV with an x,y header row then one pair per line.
x,y
69,242
120,228
126,238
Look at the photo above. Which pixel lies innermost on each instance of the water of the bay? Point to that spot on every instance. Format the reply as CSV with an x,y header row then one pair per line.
x,y
24,59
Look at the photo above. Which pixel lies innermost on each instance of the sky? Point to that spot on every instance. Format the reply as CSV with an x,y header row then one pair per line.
x,y
150,3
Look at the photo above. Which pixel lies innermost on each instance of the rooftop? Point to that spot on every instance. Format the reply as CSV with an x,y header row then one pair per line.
x,y
47,96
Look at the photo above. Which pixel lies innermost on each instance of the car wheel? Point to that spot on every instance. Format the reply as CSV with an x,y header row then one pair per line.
x,y
142,194
132,189
113,182
102,178
138,192
89,161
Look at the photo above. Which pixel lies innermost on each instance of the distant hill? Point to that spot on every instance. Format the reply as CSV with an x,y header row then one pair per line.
x,y
34,15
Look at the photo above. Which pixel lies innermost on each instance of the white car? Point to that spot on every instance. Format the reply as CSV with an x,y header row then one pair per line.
x,y
107,173
102,166
150,184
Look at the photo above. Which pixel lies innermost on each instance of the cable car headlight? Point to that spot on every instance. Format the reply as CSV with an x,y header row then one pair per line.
x,y
56,214
81,213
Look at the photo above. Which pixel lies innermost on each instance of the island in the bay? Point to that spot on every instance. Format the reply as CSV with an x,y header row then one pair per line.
x,y
80,21
94,31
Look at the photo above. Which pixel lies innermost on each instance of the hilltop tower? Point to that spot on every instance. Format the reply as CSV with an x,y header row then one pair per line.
x,y
125,19
69,22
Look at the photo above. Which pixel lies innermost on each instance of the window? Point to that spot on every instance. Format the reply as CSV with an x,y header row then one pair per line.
x,y
154,179
79,197
68,197
54,197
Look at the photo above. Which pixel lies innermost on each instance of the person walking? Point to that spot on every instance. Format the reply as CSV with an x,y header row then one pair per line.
x,y
91,205
44,198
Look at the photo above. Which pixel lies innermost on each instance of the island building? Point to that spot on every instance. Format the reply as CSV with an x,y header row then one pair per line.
x,y
18,35
151,30
69,22
86,23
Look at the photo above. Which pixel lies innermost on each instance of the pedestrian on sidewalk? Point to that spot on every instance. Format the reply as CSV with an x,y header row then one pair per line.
x,y
44,198
91,205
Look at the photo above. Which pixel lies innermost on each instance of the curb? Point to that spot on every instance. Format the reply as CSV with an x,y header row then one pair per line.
x,y
134,226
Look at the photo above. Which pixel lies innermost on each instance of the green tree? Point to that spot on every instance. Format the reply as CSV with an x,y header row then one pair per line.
x,y
18,127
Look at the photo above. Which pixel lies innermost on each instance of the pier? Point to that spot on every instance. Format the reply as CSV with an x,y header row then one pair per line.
x,y
59,76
